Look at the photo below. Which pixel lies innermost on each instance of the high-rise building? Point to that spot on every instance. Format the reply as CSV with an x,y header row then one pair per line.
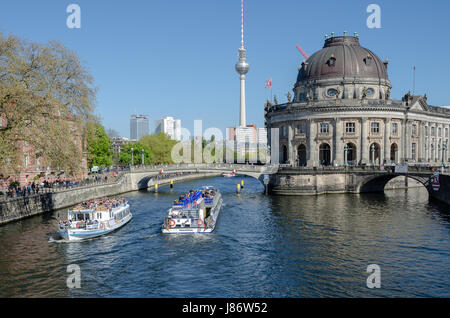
x,y
139,127
169,126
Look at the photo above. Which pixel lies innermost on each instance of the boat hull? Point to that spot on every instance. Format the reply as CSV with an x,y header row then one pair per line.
x,y
80,235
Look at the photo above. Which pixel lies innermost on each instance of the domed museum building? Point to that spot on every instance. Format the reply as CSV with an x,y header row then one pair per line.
x,y
342,114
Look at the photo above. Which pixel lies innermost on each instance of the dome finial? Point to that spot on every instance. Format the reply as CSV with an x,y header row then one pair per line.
x,y
332,34
345,33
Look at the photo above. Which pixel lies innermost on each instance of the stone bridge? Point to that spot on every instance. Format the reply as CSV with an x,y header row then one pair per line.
x,y
303,181
145,178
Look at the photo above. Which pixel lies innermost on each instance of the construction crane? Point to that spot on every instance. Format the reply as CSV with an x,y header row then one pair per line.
x,y
302,52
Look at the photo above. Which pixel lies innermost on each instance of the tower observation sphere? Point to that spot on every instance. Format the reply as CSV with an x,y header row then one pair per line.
x,y
242,66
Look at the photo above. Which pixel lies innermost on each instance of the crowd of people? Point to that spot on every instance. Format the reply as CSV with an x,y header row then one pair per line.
x,y
192,197
101,204
14,190
164,176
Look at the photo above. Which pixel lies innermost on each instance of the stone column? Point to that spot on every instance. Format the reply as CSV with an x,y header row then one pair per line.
x,y
291,160
405,141
339,148
387,141
312,153
408,140
364,142
420,146
445,138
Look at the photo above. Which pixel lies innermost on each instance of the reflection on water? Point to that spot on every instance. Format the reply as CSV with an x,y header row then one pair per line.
x,y
263,247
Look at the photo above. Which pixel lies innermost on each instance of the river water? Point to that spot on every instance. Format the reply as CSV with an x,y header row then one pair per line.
x,y
264,246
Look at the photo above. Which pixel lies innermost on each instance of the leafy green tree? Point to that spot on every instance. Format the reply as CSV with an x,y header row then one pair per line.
x,y
98,146
46,95
160,146
125,154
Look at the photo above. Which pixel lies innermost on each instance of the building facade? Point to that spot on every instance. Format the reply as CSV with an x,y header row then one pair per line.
x,y
342,114
34,167
139,127
169,126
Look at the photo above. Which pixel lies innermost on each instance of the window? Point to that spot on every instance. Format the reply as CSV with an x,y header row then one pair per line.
x,y
283,131
350,128
38,161
414,129
413,151
324,128
25,160
432,131
303,128
370,92
375,128
426,131
440,132
332,92
394,128
446,132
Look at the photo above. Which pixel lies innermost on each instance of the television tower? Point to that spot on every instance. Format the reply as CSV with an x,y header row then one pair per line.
x,y
242,67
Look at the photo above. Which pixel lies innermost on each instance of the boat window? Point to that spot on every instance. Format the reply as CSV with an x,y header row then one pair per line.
x,y
80,217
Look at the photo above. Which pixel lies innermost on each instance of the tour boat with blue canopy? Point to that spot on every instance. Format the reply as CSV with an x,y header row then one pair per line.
x,y
95,218
194,212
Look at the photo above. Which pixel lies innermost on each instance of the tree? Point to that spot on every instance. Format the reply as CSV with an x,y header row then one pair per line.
x,y
46,96
160,146
98,145
125,154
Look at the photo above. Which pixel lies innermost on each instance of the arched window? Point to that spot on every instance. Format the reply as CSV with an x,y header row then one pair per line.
x,y
394,153
284,154
301,155
325,154
351,151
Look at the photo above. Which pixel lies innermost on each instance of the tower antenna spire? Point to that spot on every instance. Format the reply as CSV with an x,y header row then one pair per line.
x,y
242,24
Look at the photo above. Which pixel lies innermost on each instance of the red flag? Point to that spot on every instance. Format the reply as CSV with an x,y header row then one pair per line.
x,y
269,83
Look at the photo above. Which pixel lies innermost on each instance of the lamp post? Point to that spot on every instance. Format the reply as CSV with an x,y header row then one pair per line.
x,y
444,148
111,150
346,155
132,159
143,162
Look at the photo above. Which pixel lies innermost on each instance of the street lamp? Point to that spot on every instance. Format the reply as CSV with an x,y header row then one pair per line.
x,y
143,162
132,161
444,148
346,155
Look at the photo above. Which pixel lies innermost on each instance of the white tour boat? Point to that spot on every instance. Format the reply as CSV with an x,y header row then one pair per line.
x,y
95,219
228,174
196,212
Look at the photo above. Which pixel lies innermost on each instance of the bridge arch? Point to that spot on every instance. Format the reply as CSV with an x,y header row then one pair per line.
x,y
143,179
378,183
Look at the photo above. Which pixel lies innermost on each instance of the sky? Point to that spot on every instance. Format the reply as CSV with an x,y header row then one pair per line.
x,y
176,57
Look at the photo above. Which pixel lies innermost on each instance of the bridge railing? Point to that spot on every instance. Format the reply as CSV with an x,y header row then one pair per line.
x,y
204,166
386,169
